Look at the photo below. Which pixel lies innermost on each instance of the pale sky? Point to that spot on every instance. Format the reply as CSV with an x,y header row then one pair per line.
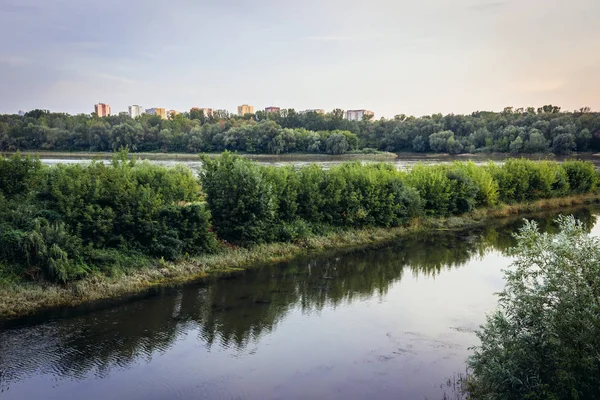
x,y
391,56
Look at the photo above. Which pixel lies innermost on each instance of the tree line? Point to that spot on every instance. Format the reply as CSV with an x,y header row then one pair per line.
x,y
66,222
518,131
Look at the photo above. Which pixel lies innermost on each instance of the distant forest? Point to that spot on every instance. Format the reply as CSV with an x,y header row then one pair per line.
x,y
543,130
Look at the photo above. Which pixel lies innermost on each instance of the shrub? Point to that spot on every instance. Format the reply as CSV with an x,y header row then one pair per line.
x,y
544,341
240,197
434,187
581,175
184,229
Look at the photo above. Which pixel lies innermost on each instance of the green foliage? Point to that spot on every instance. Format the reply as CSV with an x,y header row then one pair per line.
x,y
434,187
516,131
581,175
524,180
544,341
19,174
64,220
240,197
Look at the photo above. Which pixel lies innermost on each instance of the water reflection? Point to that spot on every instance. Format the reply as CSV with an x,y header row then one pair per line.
x,y
237,312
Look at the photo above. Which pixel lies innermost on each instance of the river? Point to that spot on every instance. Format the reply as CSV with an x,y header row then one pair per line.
x,y
403,161
390,323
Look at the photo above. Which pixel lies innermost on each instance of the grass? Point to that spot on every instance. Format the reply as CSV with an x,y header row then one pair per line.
x,y
18,299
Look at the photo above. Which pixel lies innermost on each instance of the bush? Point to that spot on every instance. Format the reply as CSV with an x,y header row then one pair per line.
x,y
581,175
544,341
434,187
240,197
184,229
68,217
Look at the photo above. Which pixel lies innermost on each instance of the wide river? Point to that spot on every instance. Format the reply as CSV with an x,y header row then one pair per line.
x,y
391,323
404,160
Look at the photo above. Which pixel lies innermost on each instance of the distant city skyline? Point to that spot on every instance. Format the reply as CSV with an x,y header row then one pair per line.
x,y
393,56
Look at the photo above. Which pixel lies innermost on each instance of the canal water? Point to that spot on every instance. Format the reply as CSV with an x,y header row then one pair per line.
x,y
390,323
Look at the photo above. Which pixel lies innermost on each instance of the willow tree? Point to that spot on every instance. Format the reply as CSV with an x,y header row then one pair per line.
x,y
544,341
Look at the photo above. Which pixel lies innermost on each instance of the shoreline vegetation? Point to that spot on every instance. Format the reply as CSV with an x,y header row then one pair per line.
x,y
513,130
383,156
71,234
378,155
26,299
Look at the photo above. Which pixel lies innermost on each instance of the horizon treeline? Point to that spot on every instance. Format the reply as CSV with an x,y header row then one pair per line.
x,y
61,223
517,131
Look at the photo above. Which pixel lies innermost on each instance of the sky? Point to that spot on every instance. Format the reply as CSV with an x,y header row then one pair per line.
x,y
414,57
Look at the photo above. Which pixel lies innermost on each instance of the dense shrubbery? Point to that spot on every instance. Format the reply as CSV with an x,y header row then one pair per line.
x,y
512,130
253,204
66,220
544,341
63,222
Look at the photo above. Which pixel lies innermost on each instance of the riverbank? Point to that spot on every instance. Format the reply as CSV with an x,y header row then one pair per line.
x,y
24,299
316,157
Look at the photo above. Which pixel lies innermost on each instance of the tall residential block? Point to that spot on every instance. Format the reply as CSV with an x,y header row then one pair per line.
x,y
135,111
157,111
357,115
173,113
102,110
272,109
245,109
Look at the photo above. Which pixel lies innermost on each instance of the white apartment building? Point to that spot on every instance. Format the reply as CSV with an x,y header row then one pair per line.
x,y
135,111
357,115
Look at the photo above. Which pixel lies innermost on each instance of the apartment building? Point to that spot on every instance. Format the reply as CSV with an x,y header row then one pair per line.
x,y
272,109
245,109
135,111
102,109
157,111
357,115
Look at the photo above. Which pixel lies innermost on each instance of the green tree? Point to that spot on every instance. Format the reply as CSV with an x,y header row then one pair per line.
x,y
336,144
240,198
544,340
563,144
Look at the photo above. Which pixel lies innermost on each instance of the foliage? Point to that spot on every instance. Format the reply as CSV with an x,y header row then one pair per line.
x,y
240,198
513,130
544,341
64,222
581,175
66,219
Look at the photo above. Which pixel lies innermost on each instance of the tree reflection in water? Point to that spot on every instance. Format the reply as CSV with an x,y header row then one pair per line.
x,y
236,311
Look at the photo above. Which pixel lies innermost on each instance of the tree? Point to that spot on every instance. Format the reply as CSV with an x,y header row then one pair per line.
x,y
453,145
438,142
516,145
240,199
419,144
563,144
536,143
336,144
544,341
